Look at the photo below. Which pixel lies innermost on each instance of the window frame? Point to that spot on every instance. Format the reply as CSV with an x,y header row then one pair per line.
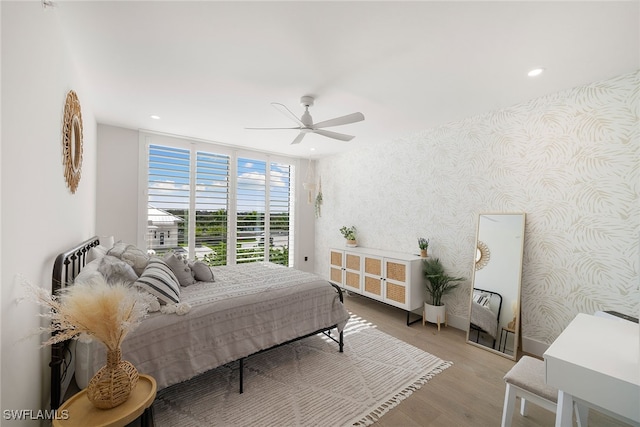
x,y
148,138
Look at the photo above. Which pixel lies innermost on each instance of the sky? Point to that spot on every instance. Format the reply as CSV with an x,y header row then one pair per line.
x,y
169,181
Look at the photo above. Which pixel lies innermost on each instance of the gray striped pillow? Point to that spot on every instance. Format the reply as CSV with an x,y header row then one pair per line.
x,y
158,279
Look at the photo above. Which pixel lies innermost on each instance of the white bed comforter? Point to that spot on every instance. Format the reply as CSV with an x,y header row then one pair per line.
x,y
249,307
485,319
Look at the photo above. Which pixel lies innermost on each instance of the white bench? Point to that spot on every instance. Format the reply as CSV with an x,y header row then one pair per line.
x,y
526,381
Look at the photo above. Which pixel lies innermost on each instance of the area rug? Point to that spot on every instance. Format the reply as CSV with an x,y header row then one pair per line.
x,y
306,383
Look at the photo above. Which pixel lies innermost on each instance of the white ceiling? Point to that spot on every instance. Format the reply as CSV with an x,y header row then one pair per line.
x,y
210,69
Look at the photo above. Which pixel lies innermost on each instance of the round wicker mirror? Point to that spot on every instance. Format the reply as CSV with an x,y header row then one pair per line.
x,y
72,141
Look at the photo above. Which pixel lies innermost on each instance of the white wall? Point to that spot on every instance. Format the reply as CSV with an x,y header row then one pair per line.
x,y
570,160
117,183
40,217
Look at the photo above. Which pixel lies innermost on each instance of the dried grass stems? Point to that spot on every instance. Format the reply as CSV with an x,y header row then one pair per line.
x,y
94,309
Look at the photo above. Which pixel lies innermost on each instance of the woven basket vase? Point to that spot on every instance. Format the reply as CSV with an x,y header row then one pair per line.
x,y
113,383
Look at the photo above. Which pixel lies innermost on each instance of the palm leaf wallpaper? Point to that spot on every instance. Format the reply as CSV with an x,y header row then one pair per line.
x,y
570,161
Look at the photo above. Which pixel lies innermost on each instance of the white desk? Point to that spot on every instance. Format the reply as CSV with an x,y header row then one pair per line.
x,y
596,361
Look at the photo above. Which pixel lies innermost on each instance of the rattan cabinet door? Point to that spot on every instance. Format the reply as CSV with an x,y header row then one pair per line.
x,y
353,271
373,277
397,282
337,267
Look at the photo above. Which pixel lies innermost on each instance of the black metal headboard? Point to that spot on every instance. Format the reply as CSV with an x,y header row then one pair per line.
x,y
65,268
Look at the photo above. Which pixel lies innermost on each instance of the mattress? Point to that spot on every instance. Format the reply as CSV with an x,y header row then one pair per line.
x,y
248,308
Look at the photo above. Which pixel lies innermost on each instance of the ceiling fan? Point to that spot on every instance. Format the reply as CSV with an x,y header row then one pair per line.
x,y
306,125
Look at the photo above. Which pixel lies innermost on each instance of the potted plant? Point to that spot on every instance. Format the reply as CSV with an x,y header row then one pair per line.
x,y
349,233
438,283
423,244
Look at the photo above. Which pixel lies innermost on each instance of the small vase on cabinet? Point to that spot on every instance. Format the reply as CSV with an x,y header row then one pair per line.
x,y
434,314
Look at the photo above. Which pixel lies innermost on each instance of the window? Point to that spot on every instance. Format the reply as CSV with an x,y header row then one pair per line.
x,y
250,211
212,204
204,204
280,208
169,195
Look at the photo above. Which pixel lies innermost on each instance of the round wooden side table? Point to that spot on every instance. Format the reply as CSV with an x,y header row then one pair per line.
x,y
78,411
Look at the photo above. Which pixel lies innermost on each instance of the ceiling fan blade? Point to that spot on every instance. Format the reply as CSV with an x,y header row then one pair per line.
x,y
272,128
334,135
298,138
284,110
338,121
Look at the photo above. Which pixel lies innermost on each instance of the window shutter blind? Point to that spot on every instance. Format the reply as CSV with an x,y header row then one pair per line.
x,y
279,213
212,195
195,207
169,196
250,210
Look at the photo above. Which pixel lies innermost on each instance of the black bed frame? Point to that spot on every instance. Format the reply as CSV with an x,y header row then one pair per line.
x,y
479,329
67,266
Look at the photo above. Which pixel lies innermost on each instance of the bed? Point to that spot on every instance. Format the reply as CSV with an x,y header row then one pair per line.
x,y
248,308
485,313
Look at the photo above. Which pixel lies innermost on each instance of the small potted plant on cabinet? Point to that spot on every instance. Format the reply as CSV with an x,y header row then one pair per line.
x,y
438,283
423,244
349,233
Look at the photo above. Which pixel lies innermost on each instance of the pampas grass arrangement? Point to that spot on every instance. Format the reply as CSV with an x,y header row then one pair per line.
x,y
93,309
102,311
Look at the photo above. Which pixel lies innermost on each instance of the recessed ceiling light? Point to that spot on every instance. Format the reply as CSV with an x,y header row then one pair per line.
x,y
154,117
312,149
535,72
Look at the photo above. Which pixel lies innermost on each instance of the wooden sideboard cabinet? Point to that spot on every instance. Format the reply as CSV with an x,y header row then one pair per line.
x,y
391,277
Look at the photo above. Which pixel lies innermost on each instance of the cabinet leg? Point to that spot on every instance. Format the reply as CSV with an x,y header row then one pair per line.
x,y
411,322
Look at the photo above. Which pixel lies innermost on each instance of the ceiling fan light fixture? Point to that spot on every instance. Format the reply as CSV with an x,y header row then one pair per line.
x,y
306,119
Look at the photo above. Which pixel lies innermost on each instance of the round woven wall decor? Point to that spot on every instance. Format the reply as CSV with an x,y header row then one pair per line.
x,y
72,141
483,255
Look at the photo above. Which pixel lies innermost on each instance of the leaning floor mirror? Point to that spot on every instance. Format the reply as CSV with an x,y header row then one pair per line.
x,y
494,312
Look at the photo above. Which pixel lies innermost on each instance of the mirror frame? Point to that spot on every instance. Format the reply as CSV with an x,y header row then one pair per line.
x,y
516,337
72,144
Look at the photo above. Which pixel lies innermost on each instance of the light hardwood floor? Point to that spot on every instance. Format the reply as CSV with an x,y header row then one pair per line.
x,y
469,393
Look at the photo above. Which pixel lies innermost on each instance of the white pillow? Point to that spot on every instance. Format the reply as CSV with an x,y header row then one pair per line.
x,y
88,271
96,252
107,241
115,270
158,279
131,255
180,267
482,298
136,258
117,249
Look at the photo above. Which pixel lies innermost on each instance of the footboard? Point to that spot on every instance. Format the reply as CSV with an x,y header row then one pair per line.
x,y
65,268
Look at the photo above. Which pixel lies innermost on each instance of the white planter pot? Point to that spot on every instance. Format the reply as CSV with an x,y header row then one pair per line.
x,y
434,314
